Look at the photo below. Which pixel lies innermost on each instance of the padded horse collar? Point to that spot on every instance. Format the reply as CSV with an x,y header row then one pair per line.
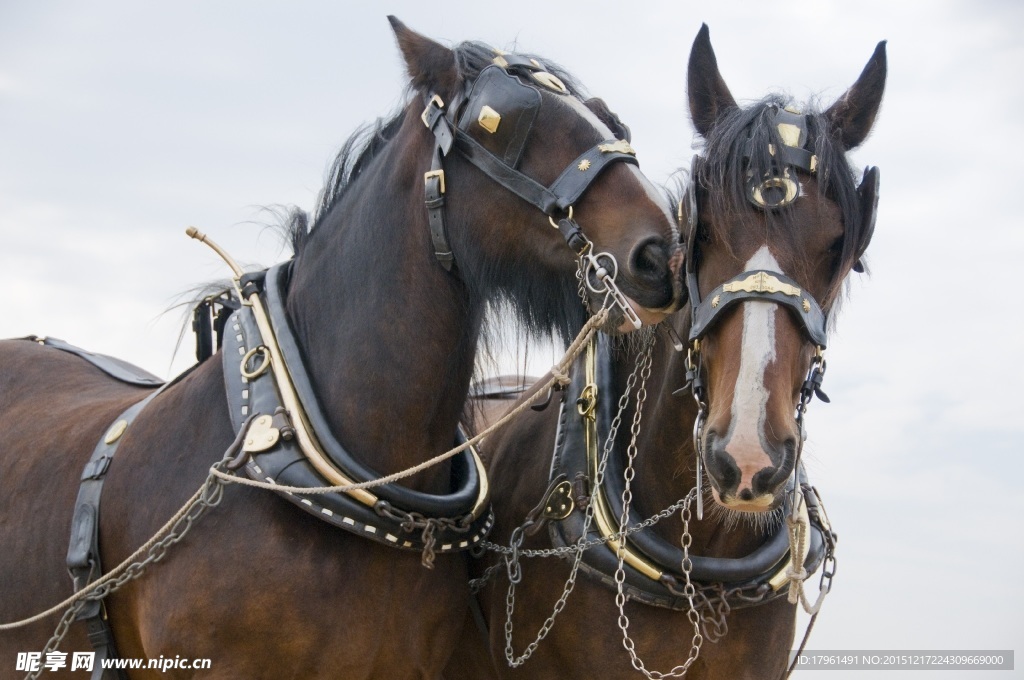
x,y
504,105
391,514
652,565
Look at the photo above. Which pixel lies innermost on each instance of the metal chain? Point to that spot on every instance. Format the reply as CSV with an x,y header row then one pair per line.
x,y
693,613
586,545
66,620
689,590
512,560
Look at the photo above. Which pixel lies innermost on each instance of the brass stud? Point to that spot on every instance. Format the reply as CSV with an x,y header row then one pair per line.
x,y
115,432
806,305
549,81
789,133
584,165
715,300
489,119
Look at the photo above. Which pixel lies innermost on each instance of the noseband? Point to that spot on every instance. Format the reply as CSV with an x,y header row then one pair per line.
x,y
503,102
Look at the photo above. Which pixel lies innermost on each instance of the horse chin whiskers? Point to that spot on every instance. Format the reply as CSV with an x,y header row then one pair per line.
x,y
764,523
631,343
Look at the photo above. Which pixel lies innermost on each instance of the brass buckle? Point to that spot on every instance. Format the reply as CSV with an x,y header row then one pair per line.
x,y
434,173
433,100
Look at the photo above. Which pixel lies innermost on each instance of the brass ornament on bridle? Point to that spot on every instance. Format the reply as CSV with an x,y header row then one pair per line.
x,y
777,187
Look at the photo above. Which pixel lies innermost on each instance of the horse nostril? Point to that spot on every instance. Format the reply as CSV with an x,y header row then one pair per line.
x,y
650,260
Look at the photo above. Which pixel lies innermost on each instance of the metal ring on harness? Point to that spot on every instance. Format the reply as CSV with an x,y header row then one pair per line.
x,y
261,368
555,224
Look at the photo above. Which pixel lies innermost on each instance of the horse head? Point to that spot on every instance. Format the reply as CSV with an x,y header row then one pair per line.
x,y
777,221
522,122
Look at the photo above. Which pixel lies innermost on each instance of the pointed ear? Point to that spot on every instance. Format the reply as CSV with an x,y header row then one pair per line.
x,y
852,116
708,93
431,66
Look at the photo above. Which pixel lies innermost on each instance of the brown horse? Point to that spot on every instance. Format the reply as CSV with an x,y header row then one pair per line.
x,y
776,223
385,303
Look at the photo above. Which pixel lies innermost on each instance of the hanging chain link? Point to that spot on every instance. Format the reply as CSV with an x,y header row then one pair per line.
x,y
689,590
512,557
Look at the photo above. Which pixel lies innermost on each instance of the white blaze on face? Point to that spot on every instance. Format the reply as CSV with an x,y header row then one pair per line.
x,y
750,397
656,197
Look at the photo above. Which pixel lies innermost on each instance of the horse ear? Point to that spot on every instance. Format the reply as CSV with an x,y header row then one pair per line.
x,y
431,66
868,195
709,96
854,113
609,118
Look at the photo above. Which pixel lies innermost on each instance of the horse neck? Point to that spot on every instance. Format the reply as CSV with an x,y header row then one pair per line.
x,y
389,337
666,461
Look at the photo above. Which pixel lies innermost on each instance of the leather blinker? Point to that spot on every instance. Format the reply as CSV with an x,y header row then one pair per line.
x,y
496,91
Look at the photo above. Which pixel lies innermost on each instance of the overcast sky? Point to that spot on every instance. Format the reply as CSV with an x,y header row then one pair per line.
x,y
121,123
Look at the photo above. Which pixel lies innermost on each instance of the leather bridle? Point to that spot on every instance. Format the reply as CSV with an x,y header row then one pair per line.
x,y
770,190
509,81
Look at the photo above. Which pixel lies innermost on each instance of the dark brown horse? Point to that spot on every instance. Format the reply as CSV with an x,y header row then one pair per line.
x,y
776,224
386,309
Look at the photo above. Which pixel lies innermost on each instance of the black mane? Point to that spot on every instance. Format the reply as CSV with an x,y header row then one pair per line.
x,y
723,168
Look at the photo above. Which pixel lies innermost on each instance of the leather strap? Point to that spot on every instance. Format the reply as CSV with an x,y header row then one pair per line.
x,y
83,558
112,366
500,82
433,182
563,192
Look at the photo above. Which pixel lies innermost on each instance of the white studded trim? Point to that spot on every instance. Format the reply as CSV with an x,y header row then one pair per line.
x,y
329,513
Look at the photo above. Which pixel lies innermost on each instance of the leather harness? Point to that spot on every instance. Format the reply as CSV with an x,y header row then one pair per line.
x,y
654,576
392,514
508,85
